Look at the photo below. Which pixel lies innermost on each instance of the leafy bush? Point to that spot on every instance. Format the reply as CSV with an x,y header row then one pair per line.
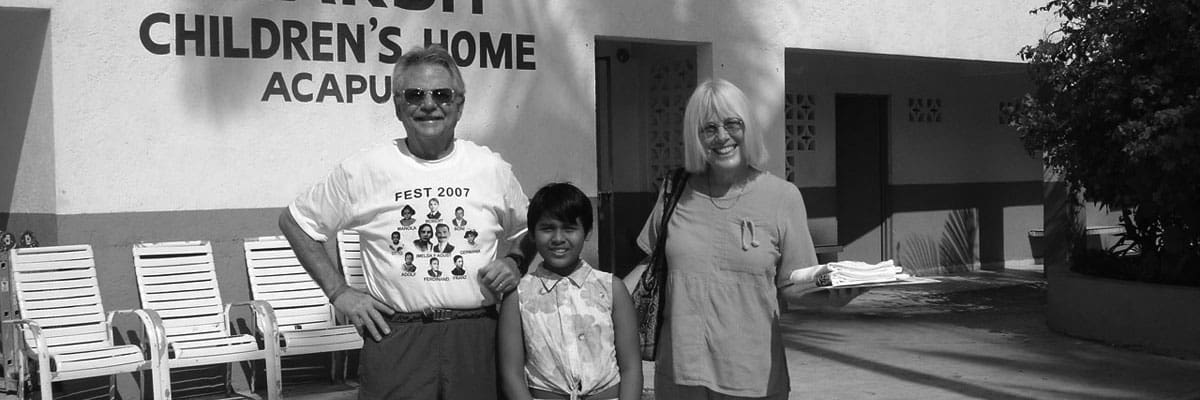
x,y
1115,110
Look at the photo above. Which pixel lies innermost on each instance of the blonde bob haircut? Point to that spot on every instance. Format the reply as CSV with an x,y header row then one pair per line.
x,y
716,100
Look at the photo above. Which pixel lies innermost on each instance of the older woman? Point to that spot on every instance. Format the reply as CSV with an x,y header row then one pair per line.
x,y
735,238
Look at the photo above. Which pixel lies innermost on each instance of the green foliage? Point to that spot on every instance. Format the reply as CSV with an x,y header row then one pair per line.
x,y
1117,111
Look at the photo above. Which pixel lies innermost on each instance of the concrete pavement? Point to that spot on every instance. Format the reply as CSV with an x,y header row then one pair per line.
x,y
981,335
973,336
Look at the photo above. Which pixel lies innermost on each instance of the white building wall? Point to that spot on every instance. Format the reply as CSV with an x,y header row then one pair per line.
x,y
134,131
123,145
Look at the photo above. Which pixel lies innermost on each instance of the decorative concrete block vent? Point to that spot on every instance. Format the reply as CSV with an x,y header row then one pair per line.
x,y
671,84
801,128
924,109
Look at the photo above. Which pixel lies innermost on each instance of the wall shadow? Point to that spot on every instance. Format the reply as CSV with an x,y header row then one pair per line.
x,y
21,63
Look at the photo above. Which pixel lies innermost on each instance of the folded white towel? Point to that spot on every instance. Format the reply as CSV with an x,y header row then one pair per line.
x,y
844,273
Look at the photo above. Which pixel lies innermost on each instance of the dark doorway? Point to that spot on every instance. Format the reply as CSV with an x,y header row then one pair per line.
x,y
862,177
641,91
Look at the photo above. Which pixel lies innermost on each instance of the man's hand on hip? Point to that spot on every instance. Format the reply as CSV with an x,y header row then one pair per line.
x,y
501,276
367,314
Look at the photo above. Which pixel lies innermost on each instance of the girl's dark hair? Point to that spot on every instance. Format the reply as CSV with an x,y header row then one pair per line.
x,y
562,201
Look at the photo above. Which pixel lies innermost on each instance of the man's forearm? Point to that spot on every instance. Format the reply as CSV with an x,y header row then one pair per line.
x,y
312,256
523,253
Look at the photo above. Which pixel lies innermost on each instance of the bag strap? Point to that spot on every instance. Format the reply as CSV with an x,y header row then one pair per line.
x,y
672,191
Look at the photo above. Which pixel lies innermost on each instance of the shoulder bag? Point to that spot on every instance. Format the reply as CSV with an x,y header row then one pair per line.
x,y
648,295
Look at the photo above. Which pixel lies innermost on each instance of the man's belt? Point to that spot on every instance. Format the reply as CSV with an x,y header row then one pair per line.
x,y
443,314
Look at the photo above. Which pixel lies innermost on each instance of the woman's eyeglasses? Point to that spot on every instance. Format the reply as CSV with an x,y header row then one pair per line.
x,y
731,125
417,96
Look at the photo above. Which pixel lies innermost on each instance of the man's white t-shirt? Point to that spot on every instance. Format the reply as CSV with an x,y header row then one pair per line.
x,y
368,192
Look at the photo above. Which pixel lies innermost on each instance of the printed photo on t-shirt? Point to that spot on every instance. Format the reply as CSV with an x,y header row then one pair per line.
x,y
424,240
433,209
406,215
434,269
408,263
471,235
458,221
458,266
397,245
443,240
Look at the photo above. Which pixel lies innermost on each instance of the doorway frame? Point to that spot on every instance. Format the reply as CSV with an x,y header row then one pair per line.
x,y
886,243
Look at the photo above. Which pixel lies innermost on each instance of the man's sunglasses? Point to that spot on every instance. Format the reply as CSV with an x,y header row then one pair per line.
x,y
417,96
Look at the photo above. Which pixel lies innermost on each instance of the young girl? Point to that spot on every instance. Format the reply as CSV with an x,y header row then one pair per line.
x,y
568,331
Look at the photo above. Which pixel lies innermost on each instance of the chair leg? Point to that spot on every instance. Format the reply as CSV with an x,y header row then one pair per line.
x,y
47,389
229,390
159,384
333,366
22,376
162,381
274,380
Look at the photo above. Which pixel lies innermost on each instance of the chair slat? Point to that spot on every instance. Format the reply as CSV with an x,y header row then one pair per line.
x,y
288,265
198,332
73,330
69,320
50,315
281,303
284,279
35,256
343,337
190,312
267,242
65,302
99,353
274,253
79,343
154,266
179,269
84,336
175,303
193,325
51,294
76,273
204,278
52,265
55,285
300,289
313,312
58,250
152,299
215,347
302,322
358,282
169,286
171,248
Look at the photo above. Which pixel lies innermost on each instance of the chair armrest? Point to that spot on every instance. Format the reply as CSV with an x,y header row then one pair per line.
x,y
29,327
264,319
149,333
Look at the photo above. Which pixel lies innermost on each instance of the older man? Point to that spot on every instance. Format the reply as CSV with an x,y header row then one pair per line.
x,y
433,336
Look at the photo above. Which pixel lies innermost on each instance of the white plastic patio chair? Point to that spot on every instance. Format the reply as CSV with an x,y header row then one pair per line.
x,y
350,257
64,331
307,322
179,281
